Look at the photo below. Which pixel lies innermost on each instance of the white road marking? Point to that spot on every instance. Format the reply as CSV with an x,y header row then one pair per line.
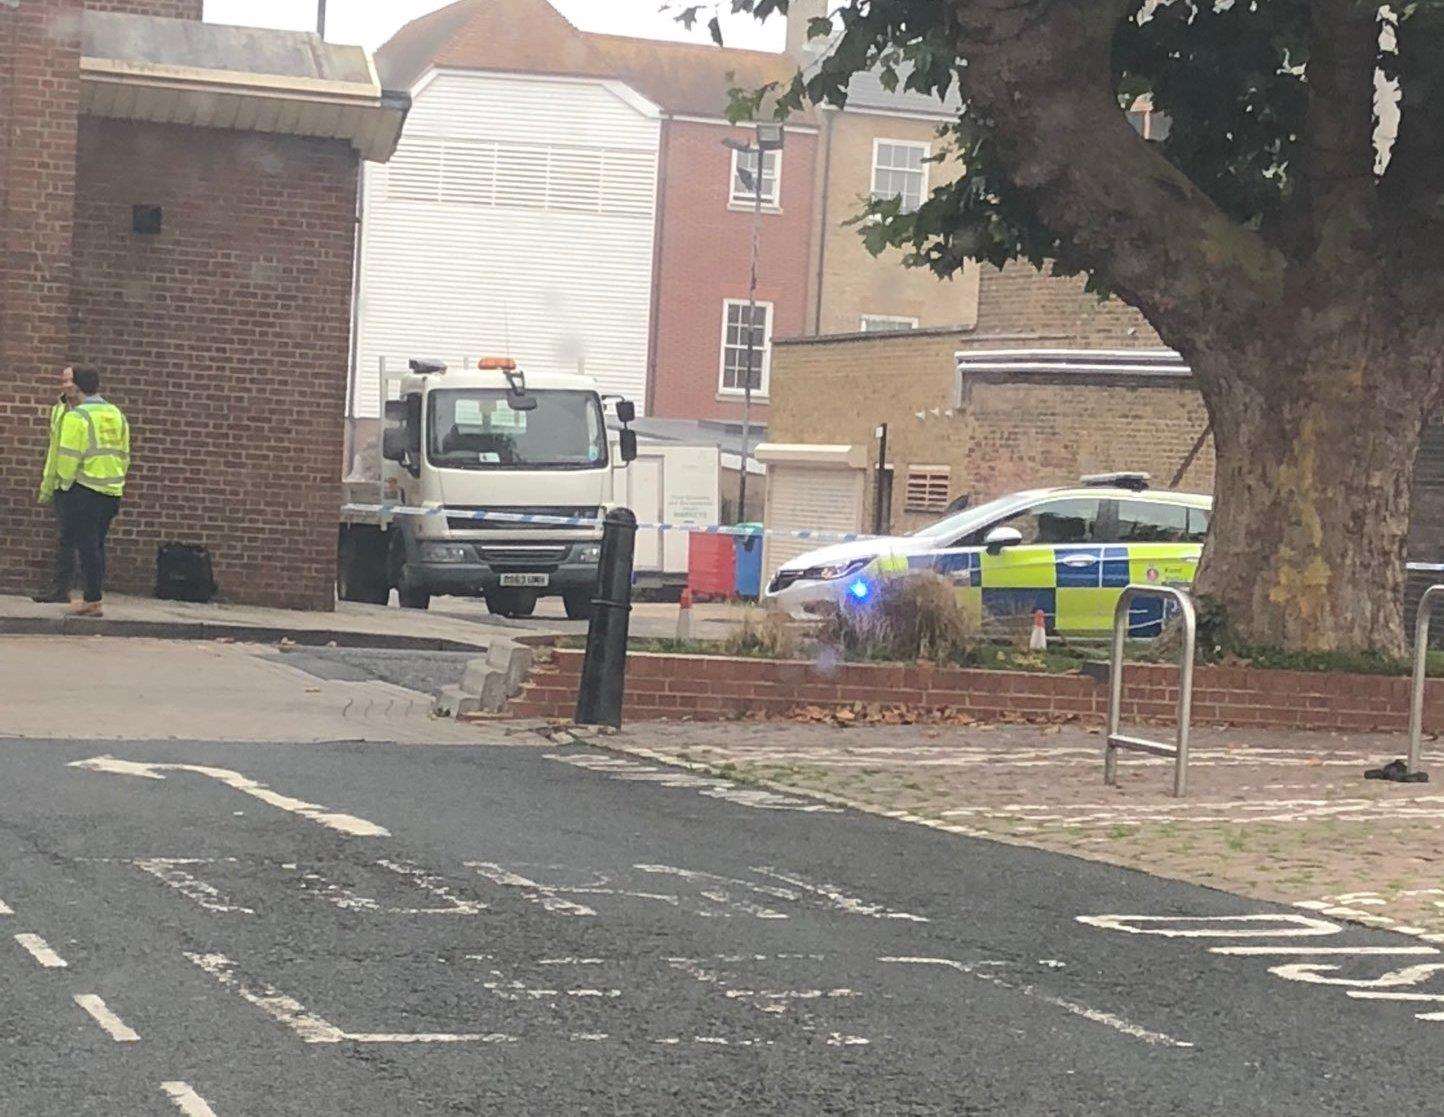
x,y
324,816
1313,973
837,1039
837,898
713,788
281,1008
1117,1023
531,890
184,1098
418,878
1233,926
167,870
312,1028
109,1022
40,950
6,909
1264,951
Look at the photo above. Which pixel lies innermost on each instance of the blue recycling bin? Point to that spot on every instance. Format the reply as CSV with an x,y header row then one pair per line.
x,y
749,564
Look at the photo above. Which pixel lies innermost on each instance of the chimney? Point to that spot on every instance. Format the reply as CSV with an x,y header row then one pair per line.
x,y
799,14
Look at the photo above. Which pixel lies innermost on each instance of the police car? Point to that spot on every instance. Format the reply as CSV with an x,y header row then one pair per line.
x,y
1067,551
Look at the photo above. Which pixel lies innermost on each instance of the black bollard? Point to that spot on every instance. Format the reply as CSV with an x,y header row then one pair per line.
x,y
604,668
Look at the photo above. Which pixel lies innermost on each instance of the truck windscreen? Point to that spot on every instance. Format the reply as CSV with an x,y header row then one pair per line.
x,y
475,428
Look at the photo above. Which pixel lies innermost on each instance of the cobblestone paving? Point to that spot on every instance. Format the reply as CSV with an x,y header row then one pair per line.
x,y
1277,816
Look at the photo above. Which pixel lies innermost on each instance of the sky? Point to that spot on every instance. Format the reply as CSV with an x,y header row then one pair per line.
x,y
371,22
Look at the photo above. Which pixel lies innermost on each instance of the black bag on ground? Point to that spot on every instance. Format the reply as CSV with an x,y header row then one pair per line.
x,y
183,572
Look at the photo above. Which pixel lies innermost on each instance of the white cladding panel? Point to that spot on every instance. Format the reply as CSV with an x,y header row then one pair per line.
x,y
516,219
808,498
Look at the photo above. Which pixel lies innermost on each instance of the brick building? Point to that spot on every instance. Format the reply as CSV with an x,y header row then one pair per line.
x,y
880,145
989,410
177,203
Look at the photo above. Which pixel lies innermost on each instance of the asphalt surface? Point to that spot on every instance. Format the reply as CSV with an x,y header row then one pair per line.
x,y
533,936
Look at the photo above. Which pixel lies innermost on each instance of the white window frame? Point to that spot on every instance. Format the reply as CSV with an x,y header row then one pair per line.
x,y
897,323
748,199
927,150
759,392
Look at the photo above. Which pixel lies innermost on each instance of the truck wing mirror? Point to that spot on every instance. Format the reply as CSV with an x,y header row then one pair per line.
x,y
394,444
626,411
627,445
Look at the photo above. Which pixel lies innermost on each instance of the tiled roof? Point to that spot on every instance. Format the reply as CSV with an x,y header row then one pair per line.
x,y
532,37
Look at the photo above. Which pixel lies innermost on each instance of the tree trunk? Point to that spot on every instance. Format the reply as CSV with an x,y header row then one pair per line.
x,y
1315,455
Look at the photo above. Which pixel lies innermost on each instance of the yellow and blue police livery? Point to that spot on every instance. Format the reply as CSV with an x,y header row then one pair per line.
x,y
1068,552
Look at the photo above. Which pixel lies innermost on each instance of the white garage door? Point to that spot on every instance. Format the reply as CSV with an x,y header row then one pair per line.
x,y
808,498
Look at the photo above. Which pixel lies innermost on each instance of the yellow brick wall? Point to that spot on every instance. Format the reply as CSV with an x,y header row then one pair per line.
x,y
853,281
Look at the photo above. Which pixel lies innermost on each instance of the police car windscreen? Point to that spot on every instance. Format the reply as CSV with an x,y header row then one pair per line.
x,y
477,428
963,522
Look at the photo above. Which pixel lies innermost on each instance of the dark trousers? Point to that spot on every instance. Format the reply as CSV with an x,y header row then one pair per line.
x,y
85,517
62,578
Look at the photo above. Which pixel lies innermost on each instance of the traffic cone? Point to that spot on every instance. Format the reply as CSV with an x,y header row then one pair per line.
x,y
684,615
1038,638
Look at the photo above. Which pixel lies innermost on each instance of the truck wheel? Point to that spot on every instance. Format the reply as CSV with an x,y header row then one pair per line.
x,y
362,576
511,603
579,606
414,599
409,598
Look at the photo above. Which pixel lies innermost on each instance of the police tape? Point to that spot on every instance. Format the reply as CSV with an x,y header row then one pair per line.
x,y
743,530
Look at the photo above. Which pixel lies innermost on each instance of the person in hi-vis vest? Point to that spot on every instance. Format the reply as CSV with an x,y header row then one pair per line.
x,y
63,569
92,460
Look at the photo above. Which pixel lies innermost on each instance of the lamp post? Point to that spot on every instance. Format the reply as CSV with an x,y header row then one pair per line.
x,y
769,138
321,18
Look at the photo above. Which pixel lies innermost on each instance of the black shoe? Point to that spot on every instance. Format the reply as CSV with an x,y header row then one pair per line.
x,y
50,598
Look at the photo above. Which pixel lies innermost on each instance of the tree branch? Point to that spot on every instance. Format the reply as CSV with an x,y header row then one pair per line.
x,y
1041,72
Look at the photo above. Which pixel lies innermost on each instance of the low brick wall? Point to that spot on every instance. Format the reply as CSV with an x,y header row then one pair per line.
x,y
714,688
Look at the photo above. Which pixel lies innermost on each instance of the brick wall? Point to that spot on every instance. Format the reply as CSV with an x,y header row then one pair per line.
x,y
225,340
1019,301
39,102
172,9
705,256
1005,436
712,688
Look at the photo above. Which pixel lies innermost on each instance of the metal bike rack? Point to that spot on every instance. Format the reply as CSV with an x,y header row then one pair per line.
x,y
1116,740
1421,666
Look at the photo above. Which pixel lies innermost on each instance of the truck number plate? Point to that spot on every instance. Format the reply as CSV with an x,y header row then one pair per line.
x,y
526,579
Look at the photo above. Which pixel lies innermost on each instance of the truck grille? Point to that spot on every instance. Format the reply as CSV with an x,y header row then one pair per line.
x,y
523,555
461,523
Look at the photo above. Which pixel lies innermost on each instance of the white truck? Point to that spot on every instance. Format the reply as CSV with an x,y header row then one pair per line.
x,y
458,445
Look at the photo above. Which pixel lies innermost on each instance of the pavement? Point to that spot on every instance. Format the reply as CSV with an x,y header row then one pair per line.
x,y
451,624
1283,816
514,924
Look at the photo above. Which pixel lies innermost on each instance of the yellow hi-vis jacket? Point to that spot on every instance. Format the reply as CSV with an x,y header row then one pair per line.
x,y
94,448
50,480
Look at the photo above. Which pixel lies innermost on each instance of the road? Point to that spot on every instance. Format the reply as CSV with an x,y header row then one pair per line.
x,y
380,929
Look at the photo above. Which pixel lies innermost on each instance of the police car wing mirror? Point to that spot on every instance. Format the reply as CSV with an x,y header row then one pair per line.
x,y
1001,537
